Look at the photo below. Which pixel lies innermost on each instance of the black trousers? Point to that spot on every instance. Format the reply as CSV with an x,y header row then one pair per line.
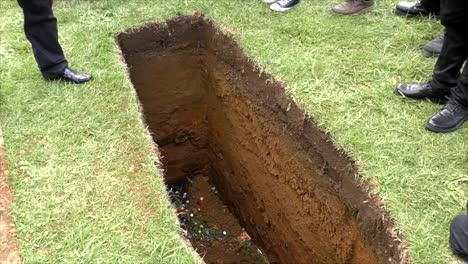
x,y
40,27
432,5
459,236
454,16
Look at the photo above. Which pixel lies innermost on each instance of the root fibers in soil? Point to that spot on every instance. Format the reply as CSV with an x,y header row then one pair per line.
x,y
212,112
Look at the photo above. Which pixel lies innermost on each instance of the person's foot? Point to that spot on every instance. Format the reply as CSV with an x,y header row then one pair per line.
x,y
352,7
412,9
284,5
433,47
449,118
422,91
73,76
269,1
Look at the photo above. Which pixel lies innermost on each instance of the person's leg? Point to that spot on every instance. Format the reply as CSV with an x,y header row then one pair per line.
x,y
452,56
460,93
431,5
423,8
454,51
459,236
455,112
447,70
40,27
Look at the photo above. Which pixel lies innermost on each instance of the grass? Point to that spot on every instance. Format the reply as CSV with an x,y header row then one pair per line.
x,y
87,189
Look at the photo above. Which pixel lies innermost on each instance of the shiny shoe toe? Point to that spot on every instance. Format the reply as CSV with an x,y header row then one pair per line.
x,y
75,77
421,91
70,75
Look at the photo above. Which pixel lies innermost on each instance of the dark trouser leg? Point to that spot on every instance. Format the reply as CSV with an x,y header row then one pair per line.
x,y
453,54
459,236
432,5
40,27
455,50
460,93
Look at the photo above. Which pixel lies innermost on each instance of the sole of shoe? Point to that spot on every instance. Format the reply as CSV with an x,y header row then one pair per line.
x,y
445,130
404,14
429,54
367,9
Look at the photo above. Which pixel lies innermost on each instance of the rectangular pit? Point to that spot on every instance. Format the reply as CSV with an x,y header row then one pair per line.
x,y
212,112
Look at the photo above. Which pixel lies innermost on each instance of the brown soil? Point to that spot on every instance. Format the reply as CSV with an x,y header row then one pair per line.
x,y
9,251
211,111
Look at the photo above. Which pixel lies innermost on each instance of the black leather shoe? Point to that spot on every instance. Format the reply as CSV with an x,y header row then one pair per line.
x,y
412,9
73,76
433,47
422,91
449,118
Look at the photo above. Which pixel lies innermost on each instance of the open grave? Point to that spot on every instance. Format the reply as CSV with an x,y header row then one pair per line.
x,y
238,151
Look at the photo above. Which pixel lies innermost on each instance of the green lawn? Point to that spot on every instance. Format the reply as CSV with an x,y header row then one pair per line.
x,y
82,165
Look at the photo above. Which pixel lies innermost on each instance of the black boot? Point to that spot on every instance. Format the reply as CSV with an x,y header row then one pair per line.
x,y
433,47
449,118
412,9
422,91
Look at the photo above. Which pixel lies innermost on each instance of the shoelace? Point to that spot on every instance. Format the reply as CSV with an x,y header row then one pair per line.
x,y
453,106
284,2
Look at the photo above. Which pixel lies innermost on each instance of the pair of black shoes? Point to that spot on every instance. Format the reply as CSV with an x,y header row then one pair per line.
x,y
449,118
70,75
414,9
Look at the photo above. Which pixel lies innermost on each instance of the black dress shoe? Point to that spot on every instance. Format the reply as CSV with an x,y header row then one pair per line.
x,y
412,9
422,91
433,47
73,76
449,118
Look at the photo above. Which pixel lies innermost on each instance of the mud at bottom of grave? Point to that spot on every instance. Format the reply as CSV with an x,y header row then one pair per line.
x,y
212,229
